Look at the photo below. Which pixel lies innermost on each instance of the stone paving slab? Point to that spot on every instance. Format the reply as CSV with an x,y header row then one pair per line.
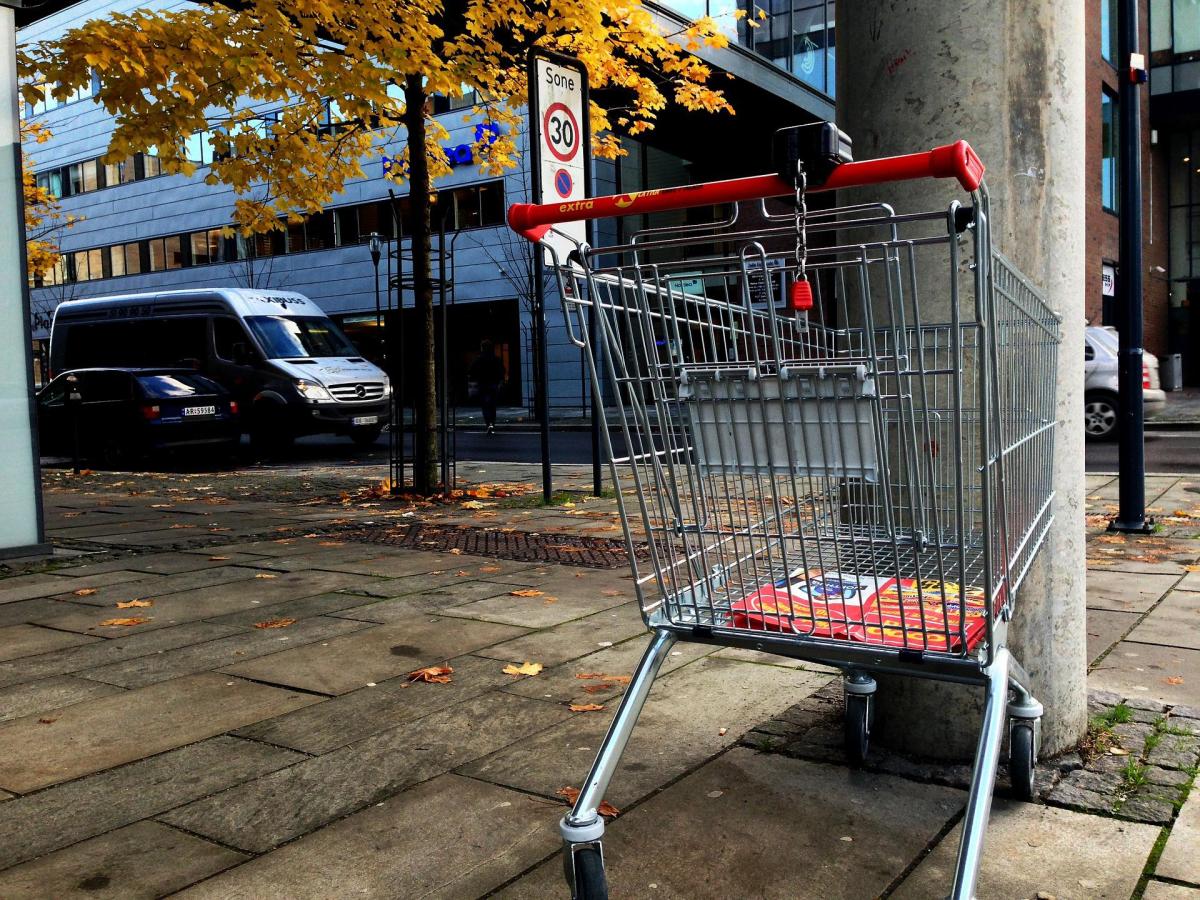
x,y
1105,628
1180,859
29,640
771,659
1175,622
206,602
30,587
755,825
452,591
273,809
679,728
375,654
572,640
369,710
1143,670
151,586
253,644
102,653
99,734
139,862
67,813
1032,849
1119,591
560,682
482,834
1158,890
22,611
48,694
537,612
335,602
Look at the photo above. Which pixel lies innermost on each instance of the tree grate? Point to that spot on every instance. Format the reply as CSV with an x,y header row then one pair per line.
x,y
523,546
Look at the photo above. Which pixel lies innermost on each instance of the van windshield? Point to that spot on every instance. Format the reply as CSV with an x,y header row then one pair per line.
x,y
285,337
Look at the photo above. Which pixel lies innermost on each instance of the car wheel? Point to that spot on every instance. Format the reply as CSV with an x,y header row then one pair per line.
x,y
1100,417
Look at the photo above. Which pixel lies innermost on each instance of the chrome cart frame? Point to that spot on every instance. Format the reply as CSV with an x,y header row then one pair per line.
x,y
836,434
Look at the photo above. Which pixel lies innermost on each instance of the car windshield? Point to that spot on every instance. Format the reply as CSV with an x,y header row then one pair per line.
x,y
285,337
176,385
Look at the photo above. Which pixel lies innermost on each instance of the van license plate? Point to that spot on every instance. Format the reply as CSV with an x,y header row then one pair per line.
x,y
365,420
199,410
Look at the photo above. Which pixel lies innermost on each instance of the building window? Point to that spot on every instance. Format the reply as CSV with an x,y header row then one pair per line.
x,y
476,206
1108,152
1108,29
47,101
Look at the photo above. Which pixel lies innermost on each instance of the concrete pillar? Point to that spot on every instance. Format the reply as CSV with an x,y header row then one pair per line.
x,y
1008,77
20,489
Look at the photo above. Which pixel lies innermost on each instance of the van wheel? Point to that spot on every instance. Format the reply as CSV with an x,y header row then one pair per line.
x,y
1100,416
269,434
366,435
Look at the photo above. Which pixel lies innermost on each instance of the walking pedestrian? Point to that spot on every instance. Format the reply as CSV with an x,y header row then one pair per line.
x,y
484,381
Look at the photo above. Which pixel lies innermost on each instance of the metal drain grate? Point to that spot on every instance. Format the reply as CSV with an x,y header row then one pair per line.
x,y
524,546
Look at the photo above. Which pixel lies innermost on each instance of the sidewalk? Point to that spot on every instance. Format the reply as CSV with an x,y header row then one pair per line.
x,y
248,730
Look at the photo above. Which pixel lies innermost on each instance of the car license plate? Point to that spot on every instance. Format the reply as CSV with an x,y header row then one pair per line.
x,y
199,410
365,420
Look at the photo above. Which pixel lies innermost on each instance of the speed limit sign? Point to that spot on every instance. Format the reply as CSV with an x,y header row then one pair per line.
x,y
559,140
561,132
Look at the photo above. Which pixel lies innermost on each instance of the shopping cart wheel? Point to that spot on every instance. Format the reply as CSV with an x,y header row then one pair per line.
x,y
590,882
1022,757
859,713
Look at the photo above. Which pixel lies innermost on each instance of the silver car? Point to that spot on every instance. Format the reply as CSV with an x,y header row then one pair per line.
x,y
1100,384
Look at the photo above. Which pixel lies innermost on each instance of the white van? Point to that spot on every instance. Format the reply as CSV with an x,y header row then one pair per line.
x,y
289,366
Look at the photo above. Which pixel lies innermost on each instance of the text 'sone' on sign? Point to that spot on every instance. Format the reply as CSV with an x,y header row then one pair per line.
x,y
559,130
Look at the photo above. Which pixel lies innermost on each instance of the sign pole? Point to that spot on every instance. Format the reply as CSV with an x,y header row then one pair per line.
x,y
1131,515
559,150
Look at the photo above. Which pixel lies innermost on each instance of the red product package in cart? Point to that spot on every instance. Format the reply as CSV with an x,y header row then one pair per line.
x,y
815,602
868,609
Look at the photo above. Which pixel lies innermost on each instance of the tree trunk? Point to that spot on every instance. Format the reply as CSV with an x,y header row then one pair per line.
x,y
425,449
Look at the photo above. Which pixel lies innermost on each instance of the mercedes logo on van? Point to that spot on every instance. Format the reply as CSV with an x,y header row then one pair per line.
x,y
360,391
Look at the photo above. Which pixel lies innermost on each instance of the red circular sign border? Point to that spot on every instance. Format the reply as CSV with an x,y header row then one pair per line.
x,y
554,107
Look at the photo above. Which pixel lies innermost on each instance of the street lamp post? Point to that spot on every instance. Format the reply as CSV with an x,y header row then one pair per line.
x,y
376,246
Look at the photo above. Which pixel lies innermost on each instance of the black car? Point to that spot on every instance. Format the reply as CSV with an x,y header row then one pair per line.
x,y
124,414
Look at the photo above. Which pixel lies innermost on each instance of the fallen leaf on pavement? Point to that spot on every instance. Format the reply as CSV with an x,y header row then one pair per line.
x,y
1191,568
1173,679
461,574
135,604
47,721
598,688
1118,751
721,732
526,668
265,575
84,592
275,623
132,620
525,592
616,679
605,808
455,551
611,593
488,570
217,558
474,504
432,675
586,707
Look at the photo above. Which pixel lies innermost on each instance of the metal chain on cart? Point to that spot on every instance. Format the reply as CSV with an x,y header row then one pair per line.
x,y
802,295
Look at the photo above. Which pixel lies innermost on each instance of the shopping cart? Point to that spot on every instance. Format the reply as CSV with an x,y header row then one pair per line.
x,y
836,430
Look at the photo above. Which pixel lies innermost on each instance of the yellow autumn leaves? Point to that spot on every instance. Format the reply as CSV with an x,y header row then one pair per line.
x,y
296,96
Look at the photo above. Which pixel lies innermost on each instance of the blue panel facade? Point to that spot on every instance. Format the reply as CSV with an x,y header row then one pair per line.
x,y
489,262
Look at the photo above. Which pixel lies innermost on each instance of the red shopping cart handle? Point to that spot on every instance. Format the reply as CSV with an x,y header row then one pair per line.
x,y
957,160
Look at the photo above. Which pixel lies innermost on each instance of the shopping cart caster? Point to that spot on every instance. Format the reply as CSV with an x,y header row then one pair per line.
x,y
860,715
1024,731
583,864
